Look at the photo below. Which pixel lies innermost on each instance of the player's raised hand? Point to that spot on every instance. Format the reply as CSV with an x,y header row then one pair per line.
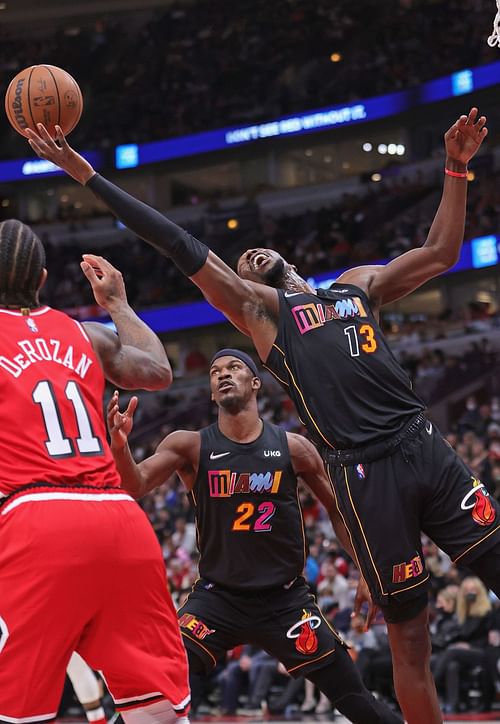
x,y
466,135
120,423
60,153
106,282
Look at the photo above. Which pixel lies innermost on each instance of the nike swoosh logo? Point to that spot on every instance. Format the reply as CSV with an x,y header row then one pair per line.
x,y
428,428
214,456
292,294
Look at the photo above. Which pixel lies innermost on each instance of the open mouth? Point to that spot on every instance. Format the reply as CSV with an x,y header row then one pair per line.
x,y
225,386
259,259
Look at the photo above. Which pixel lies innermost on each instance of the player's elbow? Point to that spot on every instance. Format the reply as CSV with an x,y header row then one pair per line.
x,y
446,256
158,377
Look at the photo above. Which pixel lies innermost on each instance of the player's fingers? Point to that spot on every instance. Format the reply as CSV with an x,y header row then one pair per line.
x,y
101,262
32,135
113,402
451,132
89,272
98,263
45,135
472,115
480,123
37,148
132,406
61,138
118,420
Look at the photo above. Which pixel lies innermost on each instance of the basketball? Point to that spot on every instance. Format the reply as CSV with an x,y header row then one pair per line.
x,y
43,94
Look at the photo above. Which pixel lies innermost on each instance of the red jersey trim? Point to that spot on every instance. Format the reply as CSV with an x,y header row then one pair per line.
x,y
36,313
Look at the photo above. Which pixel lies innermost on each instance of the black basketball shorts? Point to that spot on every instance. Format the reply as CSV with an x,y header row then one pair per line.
x,y
285,622
385,503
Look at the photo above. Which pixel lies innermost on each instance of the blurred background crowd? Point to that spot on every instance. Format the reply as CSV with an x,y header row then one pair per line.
x,y
349,195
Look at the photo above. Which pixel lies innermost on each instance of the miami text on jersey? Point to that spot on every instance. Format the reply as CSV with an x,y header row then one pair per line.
x,y
313,315
224,483
43,350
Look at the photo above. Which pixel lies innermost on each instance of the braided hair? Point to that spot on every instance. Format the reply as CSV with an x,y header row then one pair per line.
x,y
22,259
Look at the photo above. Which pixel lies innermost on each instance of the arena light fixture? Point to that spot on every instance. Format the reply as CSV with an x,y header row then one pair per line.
x,y
367,146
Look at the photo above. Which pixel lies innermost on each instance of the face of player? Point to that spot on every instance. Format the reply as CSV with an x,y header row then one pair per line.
x,y
232,383
265,266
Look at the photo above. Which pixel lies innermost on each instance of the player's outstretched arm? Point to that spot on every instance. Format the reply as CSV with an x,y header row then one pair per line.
x,y
134,358
441,250
240,300
178,452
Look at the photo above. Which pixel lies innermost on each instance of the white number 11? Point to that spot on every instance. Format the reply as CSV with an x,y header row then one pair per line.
x,y
57,444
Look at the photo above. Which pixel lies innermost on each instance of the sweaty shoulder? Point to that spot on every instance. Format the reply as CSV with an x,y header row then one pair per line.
x,y
362,277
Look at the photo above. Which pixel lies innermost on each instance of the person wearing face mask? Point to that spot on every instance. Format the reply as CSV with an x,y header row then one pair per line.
x,y
445,626
466,649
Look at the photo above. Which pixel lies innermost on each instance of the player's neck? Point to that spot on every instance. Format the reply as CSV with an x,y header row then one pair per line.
x,y
292,282
244,426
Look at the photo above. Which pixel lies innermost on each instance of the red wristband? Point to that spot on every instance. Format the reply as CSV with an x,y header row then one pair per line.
x,y
455,174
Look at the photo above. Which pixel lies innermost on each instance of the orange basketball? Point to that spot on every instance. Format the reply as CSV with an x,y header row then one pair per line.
x,y
43,94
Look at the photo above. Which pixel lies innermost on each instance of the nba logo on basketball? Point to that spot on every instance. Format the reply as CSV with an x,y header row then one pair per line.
x,y
360,471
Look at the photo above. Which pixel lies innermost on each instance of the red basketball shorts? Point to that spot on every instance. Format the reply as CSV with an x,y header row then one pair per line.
x,y
83,571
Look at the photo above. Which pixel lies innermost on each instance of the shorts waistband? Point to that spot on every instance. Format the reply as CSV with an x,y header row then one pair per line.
x,y
210,585
38,492
378,450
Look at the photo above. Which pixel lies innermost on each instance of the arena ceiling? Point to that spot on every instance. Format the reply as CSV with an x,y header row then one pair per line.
x,y
31,11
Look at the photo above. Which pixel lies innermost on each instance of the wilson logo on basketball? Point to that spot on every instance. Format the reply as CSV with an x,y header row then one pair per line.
x,y
306,641
478,502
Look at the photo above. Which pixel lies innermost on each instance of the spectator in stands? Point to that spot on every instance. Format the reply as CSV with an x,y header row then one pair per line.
x,y
466,648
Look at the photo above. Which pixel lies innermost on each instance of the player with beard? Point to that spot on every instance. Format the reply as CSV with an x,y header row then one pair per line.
x,y
241,476
392,473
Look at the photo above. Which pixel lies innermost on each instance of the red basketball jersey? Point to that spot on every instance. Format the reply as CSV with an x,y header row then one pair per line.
x,y
51,403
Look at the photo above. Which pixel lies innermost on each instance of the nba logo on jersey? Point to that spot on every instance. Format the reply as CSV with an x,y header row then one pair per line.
x,y
31,324
360,471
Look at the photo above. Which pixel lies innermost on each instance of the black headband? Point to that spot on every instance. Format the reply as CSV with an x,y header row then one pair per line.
x,y
242,356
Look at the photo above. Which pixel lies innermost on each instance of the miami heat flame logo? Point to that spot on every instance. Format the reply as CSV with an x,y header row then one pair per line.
x,y
306,641
478,502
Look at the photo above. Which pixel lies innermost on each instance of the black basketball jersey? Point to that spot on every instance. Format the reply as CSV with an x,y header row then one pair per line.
x,y
336,365
249,522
